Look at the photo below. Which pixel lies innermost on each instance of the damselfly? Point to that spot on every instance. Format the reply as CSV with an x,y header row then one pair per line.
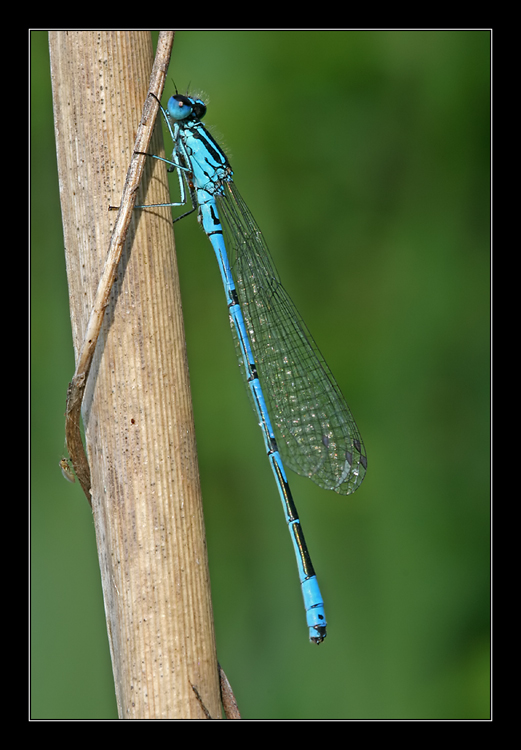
x,y
302,414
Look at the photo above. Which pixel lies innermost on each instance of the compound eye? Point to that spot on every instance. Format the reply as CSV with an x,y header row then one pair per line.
x,y
199,109
180,107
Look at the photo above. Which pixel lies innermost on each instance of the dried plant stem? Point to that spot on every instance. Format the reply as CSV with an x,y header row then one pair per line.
x,y
131,380
119,234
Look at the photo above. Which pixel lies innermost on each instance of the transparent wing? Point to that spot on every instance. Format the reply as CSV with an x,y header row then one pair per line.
x,y
316,433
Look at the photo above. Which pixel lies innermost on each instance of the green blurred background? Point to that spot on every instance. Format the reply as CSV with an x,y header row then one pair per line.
x,y
365,158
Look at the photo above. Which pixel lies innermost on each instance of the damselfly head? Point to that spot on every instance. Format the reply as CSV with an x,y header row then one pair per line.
x,y
185,108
